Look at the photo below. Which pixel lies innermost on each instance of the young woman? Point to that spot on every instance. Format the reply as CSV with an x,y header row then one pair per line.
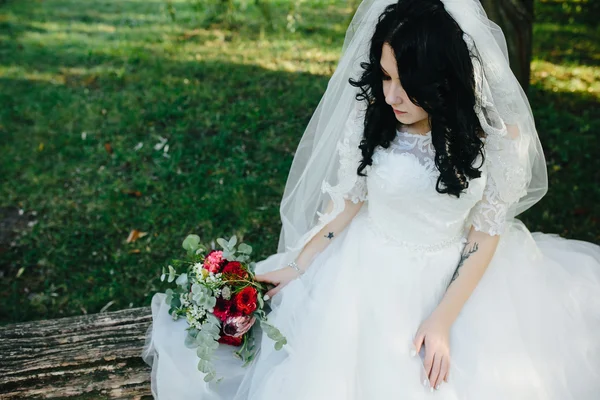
x,y
401,271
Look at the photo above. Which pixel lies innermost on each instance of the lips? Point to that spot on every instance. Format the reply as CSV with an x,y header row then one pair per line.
x,y
399,112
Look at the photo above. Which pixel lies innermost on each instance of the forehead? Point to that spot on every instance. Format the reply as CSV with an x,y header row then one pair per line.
x,y
388,59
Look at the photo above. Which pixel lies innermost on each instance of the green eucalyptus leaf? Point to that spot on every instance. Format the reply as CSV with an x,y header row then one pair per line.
x,y
272,332
223,243
261,302
213,320
190,341
182,280
212,331
204,353
266,327
171,274
205,366
176,301
169,296
232,241
244,248
206,340
191,243
210,376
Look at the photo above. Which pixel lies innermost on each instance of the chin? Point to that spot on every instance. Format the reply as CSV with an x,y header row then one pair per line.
x,y
404,120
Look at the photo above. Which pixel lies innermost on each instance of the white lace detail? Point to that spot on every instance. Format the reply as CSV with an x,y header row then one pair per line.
x,y
350,185
506,183
489,214
506,157
393,241
417,147
350,157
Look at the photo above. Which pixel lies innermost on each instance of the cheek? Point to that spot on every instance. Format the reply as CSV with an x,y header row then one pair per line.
x,y
418,112
386,88
422,113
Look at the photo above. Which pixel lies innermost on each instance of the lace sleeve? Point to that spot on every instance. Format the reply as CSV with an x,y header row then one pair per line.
x,y
506,181
350,185
489,214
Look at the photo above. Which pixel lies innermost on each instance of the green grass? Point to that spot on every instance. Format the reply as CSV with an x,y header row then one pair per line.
x,y
232,104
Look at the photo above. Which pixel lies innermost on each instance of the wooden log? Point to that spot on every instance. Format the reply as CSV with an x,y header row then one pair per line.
x,y
94,356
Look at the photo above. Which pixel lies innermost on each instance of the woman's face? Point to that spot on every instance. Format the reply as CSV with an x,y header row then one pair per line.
x,y
413,117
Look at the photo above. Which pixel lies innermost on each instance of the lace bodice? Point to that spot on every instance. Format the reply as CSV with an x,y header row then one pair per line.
x,y
402,200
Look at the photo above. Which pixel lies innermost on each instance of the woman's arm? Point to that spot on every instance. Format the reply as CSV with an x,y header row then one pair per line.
x,y
434,332
325,236
354,192
312,248
474,260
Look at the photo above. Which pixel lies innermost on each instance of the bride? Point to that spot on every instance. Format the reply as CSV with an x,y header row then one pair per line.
x,y
402,271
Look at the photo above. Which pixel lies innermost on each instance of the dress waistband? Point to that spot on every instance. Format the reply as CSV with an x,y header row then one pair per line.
x,y
389,239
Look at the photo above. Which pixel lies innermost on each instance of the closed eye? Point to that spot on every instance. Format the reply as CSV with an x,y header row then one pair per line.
x,y
385,74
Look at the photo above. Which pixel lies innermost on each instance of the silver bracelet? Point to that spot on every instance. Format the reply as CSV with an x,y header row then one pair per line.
x,y
295,266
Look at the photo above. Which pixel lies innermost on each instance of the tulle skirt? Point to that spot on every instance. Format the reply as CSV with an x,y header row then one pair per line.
x,y
530,330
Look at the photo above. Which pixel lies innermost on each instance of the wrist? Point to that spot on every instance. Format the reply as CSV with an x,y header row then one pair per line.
x,y
443,318
296,267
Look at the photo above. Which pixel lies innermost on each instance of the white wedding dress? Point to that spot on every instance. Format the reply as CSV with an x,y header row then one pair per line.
x,y
530,330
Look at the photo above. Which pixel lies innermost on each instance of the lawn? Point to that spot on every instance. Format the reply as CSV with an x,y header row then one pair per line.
x,y
123,116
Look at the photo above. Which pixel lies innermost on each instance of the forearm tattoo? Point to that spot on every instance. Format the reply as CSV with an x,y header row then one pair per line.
x,y
329,235
463,257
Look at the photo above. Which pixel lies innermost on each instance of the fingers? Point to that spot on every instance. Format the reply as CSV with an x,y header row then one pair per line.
x,y
446,361
434,378
274,291
428,362
418,341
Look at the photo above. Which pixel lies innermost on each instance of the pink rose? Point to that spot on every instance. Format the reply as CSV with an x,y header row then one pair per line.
x,y
214,261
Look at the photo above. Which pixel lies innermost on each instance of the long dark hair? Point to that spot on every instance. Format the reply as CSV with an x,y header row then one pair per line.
x,y
435,70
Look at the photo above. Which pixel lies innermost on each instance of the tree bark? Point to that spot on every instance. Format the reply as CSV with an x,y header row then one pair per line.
x,y
515,17
96,356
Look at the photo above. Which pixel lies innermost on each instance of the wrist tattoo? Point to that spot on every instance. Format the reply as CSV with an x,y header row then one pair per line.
x,y
329,235
463,257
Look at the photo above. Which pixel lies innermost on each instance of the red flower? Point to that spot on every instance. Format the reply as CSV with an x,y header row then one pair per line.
x,y
236,269
222,309
245,300
230,340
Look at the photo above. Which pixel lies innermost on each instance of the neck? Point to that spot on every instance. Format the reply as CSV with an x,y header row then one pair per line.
x,y
420,127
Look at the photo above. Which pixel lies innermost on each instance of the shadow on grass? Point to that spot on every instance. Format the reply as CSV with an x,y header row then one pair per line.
x,y
74,165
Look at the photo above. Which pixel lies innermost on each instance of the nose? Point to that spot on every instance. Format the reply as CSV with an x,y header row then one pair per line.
x,y
394,95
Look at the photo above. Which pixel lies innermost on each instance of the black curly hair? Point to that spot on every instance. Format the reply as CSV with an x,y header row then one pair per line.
x,y
435,70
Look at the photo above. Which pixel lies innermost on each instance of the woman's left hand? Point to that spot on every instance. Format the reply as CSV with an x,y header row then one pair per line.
x,y
434,333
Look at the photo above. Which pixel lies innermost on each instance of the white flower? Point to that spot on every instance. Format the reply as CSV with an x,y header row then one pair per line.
x,y
184,298
226,293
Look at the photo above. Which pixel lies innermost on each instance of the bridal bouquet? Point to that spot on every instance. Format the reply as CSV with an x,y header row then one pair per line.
x,y
220,300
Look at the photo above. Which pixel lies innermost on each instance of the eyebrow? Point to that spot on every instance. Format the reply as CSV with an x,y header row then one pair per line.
x,y
383,69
